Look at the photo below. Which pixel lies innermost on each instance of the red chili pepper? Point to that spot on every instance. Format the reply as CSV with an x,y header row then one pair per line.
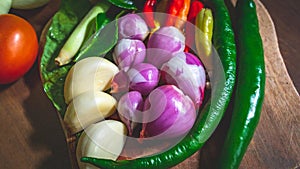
x,y
149,9
179,10
196,7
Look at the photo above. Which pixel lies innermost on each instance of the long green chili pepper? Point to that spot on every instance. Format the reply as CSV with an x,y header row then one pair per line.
x,y
211,114
249,95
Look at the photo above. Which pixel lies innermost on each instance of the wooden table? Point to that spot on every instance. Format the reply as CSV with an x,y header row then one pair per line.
x,y
31,135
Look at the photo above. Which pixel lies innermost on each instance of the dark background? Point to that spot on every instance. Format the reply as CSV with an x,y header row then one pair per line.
x,y
30,133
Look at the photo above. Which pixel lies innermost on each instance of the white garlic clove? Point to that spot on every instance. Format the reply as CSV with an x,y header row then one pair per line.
x,y
88,108
104,140
92,73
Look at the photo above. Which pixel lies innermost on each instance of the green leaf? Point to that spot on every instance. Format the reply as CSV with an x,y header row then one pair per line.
x,y
63,23
126,4
101,21
100,43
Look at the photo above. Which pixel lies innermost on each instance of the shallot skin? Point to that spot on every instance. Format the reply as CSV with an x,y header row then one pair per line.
x,y
143,77
130,108
168,113
132,26
128,53
163,44
186,72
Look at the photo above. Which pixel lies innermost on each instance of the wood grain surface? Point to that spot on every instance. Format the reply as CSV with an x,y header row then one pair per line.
x,y
31,135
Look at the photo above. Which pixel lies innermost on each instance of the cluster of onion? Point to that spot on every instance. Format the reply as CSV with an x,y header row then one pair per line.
x,y
158,86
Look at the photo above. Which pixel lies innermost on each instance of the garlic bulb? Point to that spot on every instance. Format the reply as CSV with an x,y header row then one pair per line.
x,y
92,73
104,140
88,108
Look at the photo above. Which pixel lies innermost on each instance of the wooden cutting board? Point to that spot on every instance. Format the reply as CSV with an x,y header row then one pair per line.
x,y
276,141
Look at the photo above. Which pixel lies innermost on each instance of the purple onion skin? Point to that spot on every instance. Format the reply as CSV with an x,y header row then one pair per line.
x,y
143,78
186,72
120,82
157,57
168,113
130,108
166,41
132,26
197,67
129,52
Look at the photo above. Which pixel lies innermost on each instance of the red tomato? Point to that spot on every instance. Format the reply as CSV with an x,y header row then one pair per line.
x,y
18,47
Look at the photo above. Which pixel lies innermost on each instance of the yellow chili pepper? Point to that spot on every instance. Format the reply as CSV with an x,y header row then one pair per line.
x,y
204,21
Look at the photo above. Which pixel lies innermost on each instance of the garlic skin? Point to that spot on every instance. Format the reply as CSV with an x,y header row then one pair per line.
x,y
104,140
92,73
88,108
